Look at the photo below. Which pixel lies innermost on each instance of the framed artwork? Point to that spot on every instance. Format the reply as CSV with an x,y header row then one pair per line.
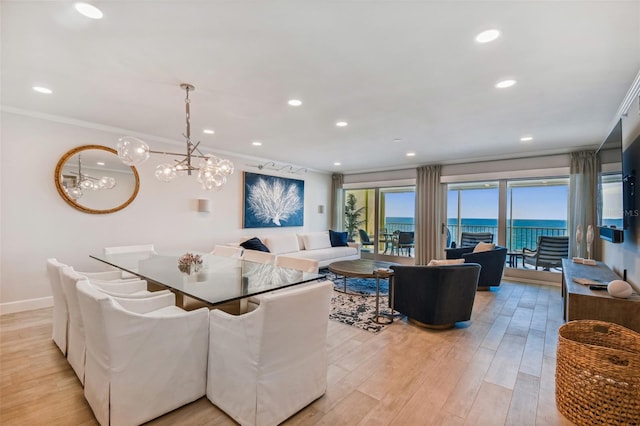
x,y
272,202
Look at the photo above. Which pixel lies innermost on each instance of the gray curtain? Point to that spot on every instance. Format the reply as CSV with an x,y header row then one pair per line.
x,y
337,205
429,217
583,182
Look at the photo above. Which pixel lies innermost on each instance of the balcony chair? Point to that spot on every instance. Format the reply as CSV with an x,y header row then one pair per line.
x,y
471,239
364,238
266,365
492,263
548,254
404,240
145,357
435,296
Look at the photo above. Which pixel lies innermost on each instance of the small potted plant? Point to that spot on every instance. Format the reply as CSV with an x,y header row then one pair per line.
x,y
190,263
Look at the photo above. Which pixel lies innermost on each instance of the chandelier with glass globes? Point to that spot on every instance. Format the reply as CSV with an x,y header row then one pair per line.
x,y
84,182
212,171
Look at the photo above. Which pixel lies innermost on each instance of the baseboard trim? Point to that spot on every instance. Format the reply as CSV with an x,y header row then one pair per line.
x,y
25,305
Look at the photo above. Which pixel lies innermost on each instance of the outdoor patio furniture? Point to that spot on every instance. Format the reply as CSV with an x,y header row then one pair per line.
x,y
404,240
548,254
364,238
471,239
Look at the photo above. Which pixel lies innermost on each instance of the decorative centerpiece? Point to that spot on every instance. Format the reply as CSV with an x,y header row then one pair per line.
x,y
190,263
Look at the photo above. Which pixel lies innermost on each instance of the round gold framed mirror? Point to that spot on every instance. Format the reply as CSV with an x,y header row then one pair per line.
x,y
92,179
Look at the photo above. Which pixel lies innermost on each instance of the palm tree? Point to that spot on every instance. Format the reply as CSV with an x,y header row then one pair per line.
x,y
352,216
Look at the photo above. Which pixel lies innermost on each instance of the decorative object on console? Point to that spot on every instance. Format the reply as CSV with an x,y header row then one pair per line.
x,y
212,171
271,201
620,289
579,239
190,263
589,240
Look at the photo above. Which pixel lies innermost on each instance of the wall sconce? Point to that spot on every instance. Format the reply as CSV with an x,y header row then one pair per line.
x,y
204,205
320,209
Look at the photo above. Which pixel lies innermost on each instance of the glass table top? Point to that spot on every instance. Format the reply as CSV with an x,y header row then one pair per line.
x,y
221,279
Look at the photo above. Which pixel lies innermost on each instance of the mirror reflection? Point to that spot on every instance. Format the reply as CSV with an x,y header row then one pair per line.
x,y
92,179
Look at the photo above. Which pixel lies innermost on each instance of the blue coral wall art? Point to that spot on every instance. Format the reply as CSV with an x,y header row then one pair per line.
x,y
272,202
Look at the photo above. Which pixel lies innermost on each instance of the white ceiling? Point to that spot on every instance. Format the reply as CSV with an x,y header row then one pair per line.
x,y
407,70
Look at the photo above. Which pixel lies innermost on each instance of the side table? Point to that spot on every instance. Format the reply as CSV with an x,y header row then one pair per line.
x,y
513,258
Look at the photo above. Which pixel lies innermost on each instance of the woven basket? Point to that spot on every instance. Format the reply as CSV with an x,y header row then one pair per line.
x,y
598,373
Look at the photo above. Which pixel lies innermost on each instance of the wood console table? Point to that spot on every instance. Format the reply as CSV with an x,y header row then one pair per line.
x,y
579,302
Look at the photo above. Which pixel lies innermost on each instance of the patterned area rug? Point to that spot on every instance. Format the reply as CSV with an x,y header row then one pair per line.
x,y
357,307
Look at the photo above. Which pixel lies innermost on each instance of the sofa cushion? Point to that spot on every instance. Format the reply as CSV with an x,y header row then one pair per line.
x,y
254,244
326,253
282,243
338,239
435,262
316,240
483,247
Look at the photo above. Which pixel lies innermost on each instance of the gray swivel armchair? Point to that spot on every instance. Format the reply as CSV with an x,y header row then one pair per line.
x,y
435,296
492,262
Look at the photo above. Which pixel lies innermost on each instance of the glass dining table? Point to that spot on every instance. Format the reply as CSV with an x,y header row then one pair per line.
x,y
220,280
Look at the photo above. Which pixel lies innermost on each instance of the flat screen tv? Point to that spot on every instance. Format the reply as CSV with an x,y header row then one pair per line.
x,y
630,197
610,205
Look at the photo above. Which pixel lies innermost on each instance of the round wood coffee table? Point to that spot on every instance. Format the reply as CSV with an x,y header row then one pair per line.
x,y
365,268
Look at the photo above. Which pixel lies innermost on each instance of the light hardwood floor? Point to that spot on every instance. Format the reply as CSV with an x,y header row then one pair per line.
x,y
498,369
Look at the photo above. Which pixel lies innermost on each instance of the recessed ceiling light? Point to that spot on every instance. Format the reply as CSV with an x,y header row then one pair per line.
x,y
396,140
337,163
342,124
100,163
88,10
505,83
256,143
487,36
208,131
294,102
41,89
411,154
526,138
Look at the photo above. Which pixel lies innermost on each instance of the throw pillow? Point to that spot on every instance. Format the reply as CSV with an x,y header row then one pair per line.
x,y
338,239
316,240
484,247
254,244
435,262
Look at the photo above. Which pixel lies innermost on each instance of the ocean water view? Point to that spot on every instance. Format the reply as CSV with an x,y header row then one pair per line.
x,y
525,232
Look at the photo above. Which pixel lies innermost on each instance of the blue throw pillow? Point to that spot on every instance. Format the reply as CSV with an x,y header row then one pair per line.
x,y
338,239
254,244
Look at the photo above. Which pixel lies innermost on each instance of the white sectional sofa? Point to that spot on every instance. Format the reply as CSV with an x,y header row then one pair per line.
x,y
312,245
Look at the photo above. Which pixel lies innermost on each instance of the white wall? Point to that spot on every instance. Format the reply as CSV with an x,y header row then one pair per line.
x,y
627,255
37,224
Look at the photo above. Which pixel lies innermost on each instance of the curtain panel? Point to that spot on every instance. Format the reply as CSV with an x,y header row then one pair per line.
x,y
337,203
429,215
583,182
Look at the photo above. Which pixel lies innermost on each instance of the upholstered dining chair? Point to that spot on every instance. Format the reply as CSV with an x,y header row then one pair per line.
x,y
259,257
266,365
76,334
436,296
298,263
145,357
60,308
227,251
141,248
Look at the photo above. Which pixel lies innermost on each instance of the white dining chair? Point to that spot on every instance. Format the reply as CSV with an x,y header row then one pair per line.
x,y
145,357
259,257
298,263
227,251
142,248
267,364
75,329
60,308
